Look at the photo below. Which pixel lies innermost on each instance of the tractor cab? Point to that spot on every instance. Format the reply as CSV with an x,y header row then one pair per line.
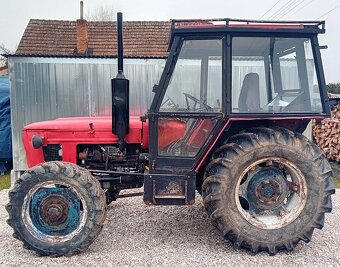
x,y
223,71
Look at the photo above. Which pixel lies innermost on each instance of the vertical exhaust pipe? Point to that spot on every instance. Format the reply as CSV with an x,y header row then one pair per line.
x,y
120,92
120,43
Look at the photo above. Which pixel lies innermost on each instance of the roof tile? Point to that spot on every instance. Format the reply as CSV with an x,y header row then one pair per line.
x,y
58,38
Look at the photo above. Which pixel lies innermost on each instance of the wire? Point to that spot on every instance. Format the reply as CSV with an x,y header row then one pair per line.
x,y
328,12
287,9
308,3
279,9
270,9
291,9
283,7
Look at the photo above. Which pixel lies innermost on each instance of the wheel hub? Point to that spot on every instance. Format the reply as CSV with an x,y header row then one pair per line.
x,y
54,211
267,189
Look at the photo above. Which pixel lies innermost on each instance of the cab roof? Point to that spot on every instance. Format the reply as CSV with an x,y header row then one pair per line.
x,y
221,25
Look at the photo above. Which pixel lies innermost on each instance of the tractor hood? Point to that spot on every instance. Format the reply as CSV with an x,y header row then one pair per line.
x,y
70,132
80,124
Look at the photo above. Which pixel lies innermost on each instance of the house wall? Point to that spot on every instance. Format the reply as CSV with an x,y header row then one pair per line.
x,y
49,88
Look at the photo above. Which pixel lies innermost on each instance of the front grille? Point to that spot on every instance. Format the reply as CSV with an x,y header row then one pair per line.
x,y
51,152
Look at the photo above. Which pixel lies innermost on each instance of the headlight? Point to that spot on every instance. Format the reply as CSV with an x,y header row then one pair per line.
x,y
37,141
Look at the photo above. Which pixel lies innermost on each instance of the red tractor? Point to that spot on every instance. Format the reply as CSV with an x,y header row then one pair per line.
x,y
226,120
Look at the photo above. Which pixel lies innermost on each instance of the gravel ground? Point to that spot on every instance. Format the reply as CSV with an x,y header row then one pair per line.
x,y
137,235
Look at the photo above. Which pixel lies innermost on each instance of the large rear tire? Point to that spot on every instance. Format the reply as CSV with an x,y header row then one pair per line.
x,y
56,209
266,189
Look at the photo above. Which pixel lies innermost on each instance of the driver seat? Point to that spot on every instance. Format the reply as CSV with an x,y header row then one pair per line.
x,y
249,100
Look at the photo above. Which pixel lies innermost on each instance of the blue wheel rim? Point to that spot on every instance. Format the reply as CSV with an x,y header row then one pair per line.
x,y
55,211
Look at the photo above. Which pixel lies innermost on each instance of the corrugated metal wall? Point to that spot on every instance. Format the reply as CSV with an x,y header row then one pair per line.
x,y
49,88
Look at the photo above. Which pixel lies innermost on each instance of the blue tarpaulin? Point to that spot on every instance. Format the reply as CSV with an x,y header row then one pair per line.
x,y
5,124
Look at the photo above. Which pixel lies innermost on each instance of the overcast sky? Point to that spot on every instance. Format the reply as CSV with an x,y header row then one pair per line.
x,y
15,14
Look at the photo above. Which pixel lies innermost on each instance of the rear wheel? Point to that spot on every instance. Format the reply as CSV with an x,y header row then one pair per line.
x,y
56,208
268,189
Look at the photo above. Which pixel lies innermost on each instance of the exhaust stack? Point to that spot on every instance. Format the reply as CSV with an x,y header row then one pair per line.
x,y
120,54
120,92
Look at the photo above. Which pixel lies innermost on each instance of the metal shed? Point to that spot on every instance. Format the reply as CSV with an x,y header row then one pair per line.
x,y
64,69
56,72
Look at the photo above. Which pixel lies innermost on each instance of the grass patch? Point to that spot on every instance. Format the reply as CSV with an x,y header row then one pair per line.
x,y
336,182
5,181
336,173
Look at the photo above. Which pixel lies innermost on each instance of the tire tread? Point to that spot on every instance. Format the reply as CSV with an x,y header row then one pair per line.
x,y
236,147
85,180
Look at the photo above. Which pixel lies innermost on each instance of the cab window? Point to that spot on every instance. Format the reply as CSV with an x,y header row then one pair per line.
x,y
196,82
274,75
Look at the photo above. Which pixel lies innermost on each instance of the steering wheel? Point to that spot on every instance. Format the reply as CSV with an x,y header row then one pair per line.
x,y
196,101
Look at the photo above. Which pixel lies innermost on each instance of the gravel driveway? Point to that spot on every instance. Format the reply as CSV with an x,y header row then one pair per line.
x,y
137,235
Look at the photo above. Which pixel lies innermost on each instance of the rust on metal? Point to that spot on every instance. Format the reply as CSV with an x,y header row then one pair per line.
x,y
173,189
54,211
273,194
83,155
148,202
190,202
293,186
272,206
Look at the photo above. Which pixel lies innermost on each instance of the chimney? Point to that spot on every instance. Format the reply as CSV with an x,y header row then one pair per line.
x,y
82,32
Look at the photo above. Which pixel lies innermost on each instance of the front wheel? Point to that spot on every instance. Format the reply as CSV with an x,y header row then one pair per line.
x,y
56,208
268,189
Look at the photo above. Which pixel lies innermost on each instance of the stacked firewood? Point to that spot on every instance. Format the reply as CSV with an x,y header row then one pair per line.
x,y
326,134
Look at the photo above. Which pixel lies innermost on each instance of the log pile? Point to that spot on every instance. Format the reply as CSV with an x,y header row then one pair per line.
x,y
326,134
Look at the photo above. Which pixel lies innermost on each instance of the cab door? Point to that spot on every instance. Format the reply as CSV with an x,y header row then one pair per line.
x,y
188,104
184,119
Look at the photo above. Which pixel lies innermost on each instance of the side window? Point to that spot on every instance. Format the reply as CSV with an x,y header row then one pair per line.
x,y
289,72
248,82
196,82
250,74
183,137
274,75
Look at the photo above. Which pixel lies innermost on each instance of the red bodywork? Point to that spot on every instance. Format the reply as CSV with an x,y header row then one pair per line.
x,y
70,132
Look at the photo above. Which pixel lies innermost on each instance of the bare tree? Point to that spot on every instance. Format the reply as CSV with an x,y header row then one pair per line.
x,y
334,87
101,13
3,50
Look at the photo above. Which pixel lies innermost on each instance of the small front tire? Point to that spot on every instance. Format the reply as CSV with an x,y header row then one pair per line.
x,y
56,209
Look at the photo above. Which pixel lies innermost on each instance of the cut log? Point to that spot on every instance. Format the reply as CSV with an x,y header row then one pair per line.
x,y
326,134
